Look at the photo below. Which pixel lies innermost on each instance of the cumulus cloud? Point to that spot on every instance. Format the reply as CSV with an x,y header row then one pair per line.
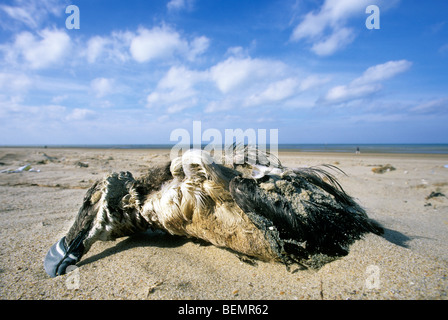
x,y
158,42
39,51
176,90
367,83
145,45
250,82
114,47
164,43
234,73
233,82
95,47
240,80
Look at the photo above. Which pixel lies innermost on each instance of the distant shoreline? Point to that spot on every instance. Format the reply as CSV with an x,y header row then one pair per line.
x,y
305,148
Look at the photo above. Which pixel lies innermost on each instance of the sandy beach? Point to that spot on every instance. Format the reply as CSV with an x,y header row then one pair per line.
x,y
38,205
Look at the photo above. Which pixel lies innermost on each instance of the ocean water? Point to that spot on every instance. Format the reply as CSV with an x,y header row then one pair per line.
x,y
343,148
370,148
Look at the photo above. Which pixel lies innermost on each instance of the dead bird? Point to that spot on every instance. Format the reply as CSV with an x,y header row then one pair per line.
x,y
251,204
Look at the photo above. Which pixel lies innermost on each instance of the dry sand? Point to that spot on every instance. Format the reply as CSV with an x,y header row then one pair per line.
x,y
36,209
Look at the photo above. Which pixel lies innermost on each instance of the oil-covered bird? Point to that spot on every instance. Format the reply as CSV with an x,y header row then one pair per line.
x,y
249,203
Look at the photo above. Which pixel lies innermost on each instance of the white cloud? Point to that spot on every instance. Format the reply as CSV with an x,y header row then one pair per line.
x,y
179,5
175,4
238,81
367,83
10,82
249,82
383,71
337,40
58,85
344,92
180,78
332,14
114,47
31,13
15,112
159,42
276,91
21,14
102,86
49,47
78,114
312,81
231,73
175,91
234,72
95,47
432,106
165,43
172,100
146,45
197,47
326,27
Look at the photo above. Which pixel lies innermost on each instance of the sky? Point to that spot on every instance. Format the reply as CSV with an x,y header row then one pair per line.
x,y
134,72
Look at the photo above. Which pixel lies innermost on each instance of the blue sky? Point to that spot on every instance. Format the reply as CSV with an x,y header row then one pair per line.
x,y
137,70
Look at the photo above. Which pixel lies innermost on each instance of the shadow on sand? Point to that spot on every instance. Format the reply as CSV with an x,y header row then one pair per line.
x,y
161,239
144,239
397,237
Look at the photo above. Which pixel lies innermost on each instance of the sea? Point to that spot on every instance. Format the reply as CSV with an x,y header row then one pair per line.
x,y
342,148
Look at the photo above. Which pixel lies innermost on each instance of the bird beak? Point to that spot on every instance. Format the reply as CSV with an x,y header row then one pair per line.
x,y
60,256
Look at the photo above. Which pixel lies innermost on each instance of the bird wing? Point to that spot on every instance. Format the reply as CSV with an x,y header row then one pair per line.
x,y
301,213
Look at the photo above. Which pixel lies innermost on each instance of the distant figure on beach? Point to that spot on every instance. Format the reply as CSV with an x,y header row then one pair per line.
x,y
251,204
357,150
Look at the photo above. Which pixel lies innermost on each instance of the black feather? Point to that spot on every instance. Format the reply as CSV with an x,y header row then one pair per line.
x,y
303,215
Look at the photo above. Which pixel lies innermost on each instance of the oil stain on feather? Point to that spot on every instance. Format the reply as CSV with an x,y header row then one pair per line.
x,y
264,211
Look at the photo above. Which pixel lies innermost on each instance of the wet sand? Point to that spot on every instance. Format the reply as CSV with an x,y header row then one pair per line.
x,y
410,261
